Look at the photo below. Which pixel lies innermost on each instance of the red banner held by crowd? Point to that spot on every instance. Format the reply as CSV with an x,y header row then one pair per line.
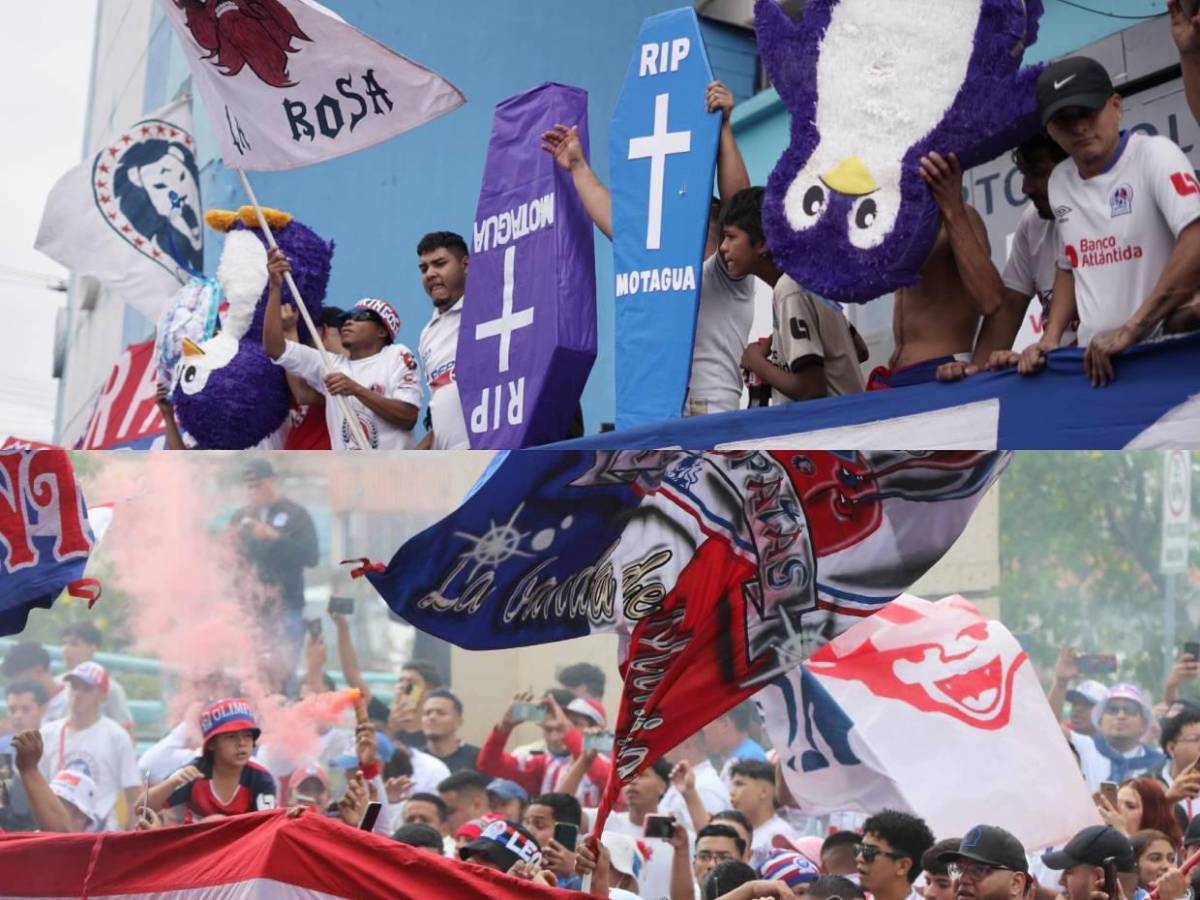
x,y
255,855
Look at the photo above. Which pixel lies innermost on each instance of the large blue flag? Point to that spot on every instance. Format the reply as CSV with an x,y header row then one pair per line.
x,y
718,570
45,538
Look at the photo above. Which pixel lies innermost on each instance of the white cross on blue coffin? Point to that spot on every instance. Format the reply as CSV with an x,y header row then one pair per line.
x,y
1154,402
528,335
662,151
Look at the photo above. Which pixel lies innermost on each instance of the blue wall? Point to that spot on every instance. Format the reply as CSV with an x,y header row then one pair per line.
x,y
376,204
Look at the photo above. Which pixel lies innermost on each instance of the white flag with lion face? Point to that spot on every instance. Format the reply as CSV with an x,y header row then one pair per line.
x,y
288,83
129,215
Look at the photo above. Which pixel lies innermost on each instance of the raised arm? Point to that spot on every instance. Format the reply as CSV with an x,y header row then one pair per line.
x,y
731,167
965,228
302,392
274,342
349,657
564,145
48,811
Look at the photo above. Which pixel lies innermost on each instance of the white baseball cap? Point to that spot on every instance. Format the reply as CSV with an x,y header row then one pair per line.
x,y
626,855
78,789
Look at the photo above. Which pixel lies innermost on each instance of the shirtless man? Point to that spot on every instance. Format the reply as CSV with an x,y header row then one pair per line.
x,y
935,320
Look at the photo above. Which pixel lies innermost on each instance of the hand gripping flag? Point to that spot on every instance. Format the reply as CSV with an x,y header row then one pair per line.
x,y
129,214
961,683
287,83
718,570
45,538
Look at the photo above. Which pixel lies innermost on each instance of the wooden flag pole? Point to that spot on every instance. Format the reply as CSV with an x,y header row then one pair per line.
x,y
356,430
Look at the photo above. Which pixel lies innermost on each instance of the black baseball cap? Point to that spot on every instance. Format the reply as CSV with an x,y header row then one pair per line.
x,y
257,470
1075,81
992,846
1091,847
503,843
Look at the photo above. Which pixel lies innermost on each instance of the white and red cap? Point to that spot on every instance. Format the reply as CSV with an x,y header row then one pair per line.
x,y
90,674
386,312
312,770
78,789
590,708
225,716
628,854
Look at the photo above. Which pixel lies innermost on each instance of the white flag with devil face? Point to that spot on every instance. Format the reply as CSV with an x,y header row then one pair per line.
x,y
287,83
129,215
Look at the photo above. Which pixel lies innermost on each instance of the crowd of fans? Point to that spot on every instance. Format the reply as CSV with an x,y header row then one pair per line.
x,y
712,819
1107,270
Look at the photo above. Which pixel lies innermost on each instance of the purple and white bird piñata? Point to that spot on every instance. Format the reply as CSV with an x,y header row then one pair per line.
x,y
871,88
230,395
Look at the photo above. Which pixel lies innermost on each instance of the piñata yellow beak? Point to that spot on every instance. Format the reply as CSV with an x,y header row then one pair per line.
x,y
191,348
850,177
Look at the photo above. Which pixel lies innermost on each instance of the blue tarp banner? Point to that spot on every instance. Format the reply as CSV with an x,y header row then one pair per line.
x,y
1154,402
663,153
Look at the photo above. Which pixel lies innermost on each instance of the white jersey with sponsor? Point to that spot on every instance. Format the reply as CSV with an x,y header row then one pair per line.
x,y
1033,263
438,348
104,750
1118,229
722,332
391,373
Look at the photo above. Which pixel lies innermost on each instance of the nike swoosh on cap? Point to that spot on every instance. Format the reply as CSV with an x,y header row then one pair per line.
x,y
1059,85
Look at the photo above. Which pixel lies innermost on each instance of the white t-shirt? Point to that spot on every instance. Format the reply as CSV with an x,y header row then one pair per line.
x,y
760,841
1118,229
103,750
438,347
116,704
391,373
713,794
722,332
1033,263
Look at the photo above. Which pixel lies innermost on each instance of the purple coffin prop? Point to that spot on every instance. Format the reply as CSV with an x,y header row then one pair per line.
x,y
846,212
528,335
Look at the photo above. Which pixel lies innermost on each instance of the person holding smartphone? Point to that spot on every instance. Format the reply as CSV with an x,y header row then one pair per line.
x,y
1180,773
541,772
554,820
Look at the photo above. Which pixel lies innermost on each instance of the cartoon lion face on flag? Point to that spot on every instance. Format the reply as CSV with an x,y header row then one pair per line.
x,y
240,33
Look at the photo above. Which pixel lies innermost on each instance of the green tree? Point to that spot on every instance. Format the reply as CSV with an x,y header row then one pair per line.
x,y
1080,536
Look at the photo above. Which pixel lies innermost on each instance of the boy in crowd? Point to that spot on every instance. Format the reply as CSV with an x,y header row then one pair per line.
x,y
1128,208
814,351
80,641
224,769
889,856
752,789
378,377
443,261
1032,261
90,742
726,300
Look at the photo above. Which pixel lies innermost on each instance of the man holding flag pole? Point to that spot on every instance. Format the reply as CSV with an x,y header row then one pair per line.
x,y
280,96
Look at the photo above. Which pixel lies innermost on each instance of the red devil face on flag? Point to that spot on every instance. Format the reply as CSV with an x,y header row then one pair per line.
x,y
240,33
968,675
